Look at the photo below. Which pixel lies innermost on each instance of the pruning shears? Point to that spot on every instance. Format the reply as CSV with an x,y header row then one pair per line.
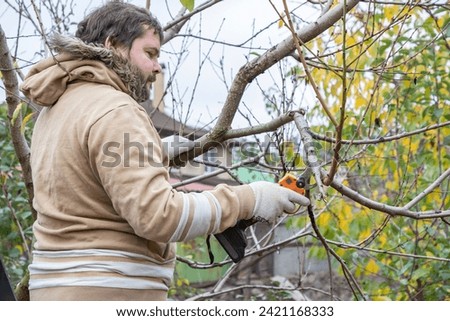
x,y
298,184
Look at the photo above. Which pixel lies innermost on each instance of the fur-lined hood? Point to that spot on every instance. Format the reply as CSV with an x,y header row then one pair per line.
x,y
78,61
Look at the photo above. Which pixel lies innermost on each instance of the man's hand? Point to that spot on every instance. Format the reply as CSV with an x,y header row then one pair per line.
x,y
273,200
175,145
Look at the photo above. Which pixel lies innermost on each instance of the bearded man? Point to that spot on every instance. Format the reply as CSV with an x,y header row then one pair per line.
x,y
106,230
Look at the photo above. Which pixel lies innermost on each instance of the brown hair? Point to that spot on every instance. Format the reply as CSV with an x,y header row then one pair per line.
x,y
121,22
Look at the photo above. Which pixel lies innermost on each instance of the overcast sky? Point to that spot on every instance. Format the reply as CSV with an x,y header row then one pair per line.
x,y
232,21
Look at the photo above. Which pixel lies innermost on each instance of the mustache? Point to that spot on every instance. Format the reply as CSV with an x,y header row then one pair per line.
x,y
151,78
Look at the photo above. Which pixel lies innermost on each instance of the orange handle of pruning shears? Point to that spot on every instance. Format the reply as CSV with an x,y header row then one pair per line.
x,y
290,181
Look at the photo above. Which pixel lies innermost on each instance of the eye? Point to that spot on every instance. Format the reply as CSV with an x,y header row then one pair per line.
x,y
152,54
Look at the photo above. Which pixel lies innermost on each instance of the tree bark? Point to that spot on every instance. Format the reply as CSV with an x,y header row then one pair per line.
x,y
12,100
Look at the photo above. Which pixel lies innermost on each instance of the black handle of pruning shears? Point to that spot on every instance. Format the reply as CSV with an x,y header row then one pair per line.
x,y
233,239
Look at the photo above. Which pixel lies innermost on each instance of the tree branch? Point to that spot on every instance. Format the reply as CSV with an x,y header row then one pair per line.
x,y
388,209
252,69
174,27
364,248
21,147
311,160
350,278
257,66
210,295
428,190
262,128
298,43
379,140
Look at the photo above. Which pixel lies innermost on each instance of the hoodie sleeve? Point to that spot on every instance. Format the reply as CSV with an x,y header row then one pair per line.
x,y
126,155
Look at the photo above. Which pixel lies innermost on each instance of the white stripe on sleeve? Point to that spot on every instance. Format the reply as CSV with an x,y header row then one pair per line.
x,y
202,207
202,217
218,212
183,220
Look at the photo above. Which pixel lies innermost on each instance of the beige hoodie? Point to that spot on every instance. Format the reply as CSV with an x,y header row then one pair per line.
x,y
107,216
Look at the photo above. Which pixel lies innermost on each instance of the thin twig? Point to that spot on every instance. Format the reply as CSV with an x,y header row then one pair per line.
x,y
322,240
428,190
364,248
186,17
210,295
26,248
298,43
380,140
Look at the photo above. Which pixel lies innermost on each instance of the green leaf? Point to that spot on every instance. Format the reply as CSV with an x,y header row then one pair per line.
x,y
437,113
188,4
420,273
447,141
254,53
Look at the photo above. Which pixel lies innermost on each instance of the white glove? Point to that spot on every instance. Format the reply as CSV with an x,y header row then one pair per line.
x,y
175,145
273,200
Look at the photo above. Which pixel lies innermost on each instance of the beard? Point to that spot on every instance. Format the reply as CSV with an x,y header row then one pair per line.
x,y
146,81
142,84
151,78
137,82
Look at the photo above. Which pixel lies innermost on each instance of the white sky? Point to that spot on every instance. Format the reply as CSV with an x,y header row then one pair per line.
x,y
232,21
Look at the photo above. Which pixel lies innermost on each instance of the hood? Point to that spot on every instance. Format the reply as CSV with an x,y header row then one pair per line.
x,y
78,61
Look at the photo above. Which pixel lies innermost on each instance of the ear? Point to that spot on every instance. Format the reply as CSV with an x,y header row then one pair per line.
x,y
108,43
111,44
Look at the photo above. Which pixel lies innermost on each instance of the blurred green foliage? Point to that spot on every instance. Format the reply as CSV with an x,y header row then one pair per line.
x,y
15,214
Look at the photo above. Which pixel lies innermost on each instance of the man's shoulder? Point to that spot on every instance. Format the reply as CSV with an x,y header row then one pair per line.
x,y
102,98
88,103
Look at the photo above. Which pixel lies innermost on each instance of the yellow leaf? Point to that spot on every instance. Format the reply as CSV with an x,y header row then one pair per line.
x,y
280,23
382,239
391,185
25,121
19,248
415,146
384,198
389,12
324,219
360,102
16,113
339,38
372,267
365,234
350,41
182,281
381,298
344,218
343,225
340,252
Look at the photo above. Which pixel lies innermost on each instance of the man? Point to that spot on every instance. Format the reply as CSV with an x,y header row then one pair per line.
x,y
106,225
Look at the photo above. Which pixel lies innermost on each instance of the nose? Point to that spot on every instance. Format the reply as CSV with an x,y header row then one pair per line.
x,y
157,67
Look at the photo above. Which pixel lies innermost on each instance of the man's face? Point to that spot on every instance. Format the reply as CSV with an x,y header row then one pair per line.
x,y
144,54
